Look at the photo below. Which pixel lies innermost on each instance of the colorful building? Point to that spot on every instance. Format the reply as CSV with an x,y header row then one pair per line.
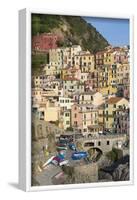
x,y
111,106
84,117
44,42
85,60
89,97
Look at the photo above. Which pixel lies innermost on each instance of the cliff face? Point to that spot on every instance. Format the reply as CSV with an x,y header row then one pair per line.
x,y
118,171
72,29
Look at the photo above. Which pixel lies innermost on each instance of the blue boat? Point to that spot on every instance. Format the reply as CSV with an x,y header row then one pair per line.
x,y
72,146
79,155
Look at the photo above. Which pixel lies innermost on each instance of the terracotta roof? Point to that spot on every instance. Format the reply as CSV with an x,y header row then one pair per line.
x,y
101,52
70,79
114,100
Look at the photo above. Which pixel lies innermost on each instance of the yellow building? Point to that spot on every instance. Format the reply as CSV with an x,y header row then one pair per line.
x,y
51,70
63,57
107,80
107,90
72,72
109,57
101,115
111,106
51,112
85,60
123,73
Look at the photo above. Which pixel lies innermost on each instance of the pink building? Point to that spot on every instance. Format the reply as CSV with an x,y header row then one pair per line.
x,y
85,118
121,56
76,116
71,72
44,42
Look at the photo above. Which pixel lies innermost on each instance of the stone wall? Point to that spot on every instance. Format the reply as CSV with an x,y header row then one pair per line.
x,y
90,170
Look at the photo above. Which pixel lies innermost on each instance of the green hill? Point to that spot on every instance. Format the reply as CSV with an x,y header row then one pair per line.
x,y
73,30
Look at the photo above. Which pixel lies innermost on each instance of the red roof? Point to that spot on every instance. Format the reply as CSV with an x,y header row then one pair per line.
x,y
114,100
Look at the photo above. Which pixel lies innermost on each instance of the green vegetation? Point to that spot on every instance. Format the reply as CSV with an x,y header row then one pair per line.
x,y
44,23
114,155
77,31
69,129
79,146
38,61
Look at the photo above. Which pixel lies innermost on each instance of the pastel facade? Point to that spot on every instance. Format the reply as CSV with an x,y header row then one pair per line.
x,y
85,118
76,116
84,91
44,42
122,121
65,102
66,119
37,98
71,72
94,98
50,112
51,70
107,79
111,106
56,57
99,59
85,60
63,57
72,85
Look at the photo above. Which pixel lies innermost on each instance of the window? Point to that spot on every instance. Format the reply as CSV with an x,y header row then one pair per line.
x,y
75,115
108,142
99,143
67,122
67,114
114,112
75,123
89,144
91,98
114,105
